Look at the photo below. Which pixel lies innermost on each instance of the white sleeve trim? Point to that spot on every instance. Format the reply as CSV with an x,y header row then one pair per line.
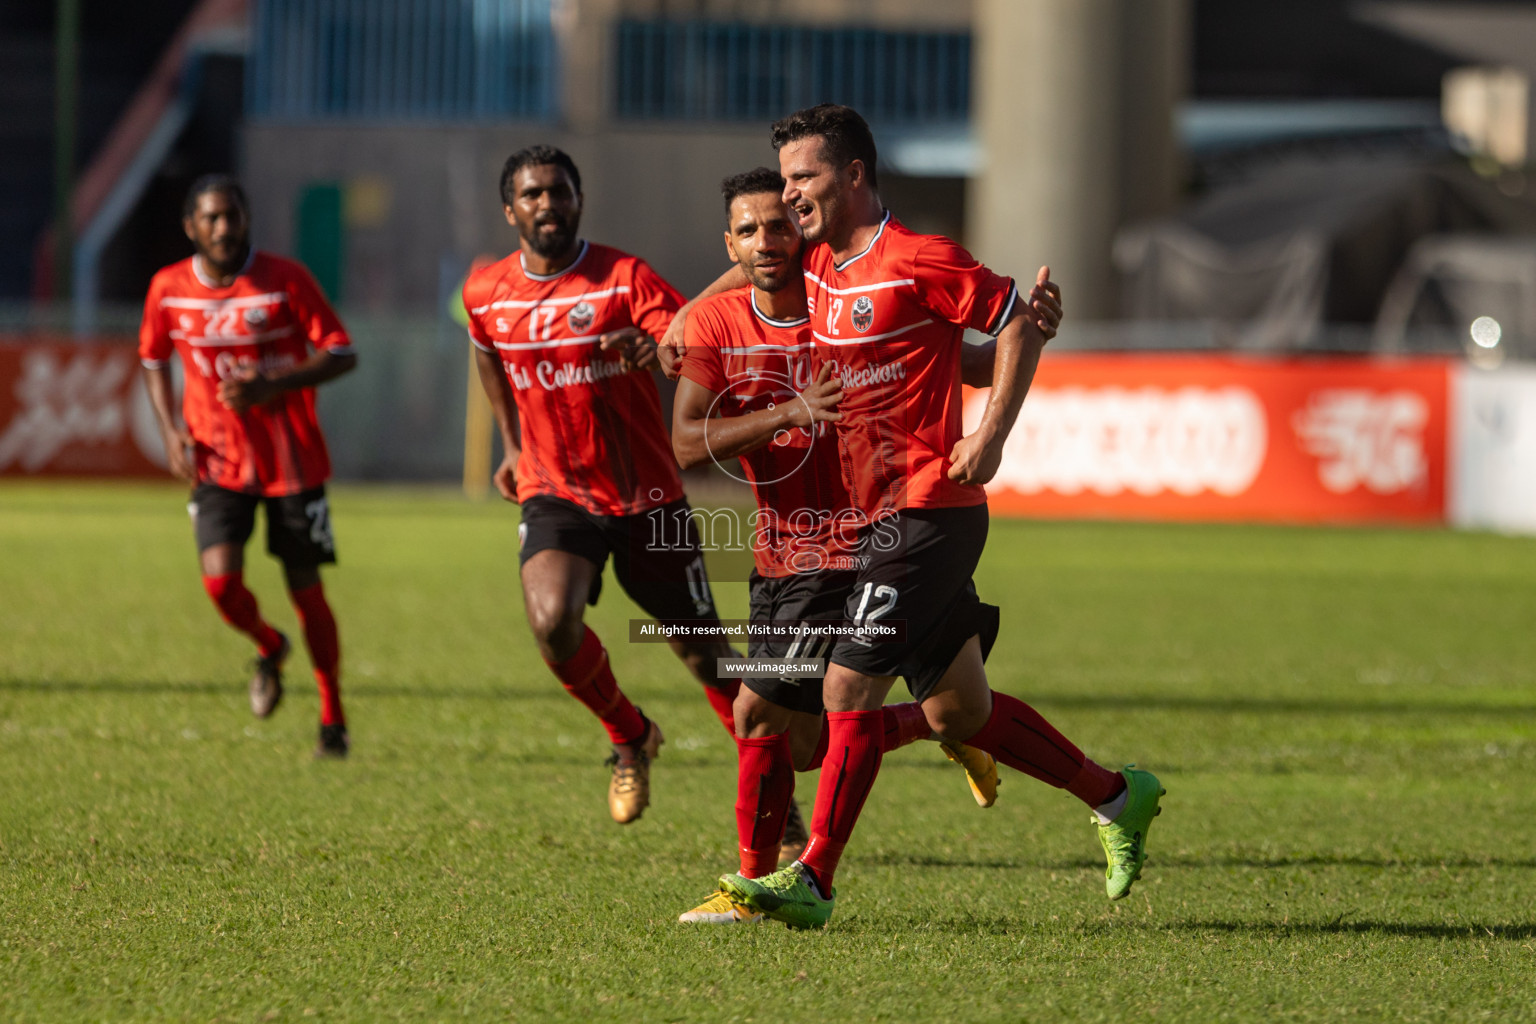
x,y
476,342
154,364
1007,313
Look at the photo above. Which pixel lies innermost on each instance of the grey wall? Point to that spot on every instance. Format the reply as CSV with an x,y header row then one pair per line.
x,y
427,195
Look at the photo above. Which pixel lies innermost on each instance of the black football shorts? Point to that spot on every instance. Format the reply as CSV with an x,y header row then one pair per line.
x,y
656,554
811,598
915,577
298,525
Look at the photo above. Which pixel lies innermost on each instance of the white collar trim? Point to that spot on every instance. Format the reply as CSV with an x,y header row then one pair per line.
x,y
799,321
550,277
840,267
208,281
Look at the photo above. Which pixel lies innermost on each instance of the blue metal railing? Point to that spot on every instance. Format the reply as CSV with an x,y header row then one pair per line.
x,y
713,71
401,60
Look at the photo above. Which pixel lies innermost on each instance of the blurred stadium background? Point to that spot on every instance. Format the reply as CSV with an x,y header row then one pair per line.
x,y
1298,241
1298,247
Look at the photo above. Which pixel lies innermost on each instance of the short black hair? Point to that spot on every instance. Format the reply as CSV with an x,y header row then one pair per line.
x,y
750,183
533,156
845,136
225,183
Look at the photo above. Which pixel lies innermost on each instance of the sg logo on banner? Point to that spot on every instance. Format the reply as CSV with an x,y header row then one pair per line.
x,y
1364,438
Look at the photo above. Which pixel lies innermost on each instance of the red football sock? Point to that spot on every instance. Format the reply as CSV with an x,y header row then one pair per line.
x,y
720,698
238,606
854,739
1019,737
765,782
820,753
324,649
904,723
587,677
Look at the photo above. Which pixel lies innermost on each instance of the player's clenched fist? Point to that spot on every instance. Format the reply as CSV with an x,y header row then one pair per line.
x,y
178,454
247,389
505,477
974,461
638,348
672,347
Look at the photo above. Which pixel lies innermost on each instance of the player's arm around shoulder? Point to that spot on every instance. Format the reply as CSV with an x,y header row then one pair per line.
x,y
674,343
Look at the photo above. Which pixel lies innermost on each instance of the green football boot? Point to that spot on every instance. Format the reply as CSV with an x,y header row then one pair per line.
x,y
786,895
1125,839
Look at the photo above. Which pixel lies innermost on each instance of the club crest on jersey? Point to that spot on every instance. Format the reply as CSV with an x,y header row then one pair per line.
x,y
581,317
255,316
863,313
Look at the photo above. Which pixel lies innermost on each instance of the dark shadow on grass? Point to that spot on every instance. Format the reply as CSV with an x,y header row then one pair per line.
x,y
1345,860
1030,924
1340,926
237,686
1156,862
1224,705
1286,706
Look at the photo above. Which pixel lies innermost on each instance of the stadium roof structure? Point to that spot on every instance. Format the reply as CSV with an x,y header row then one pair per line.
x,y
1485,33
1304,244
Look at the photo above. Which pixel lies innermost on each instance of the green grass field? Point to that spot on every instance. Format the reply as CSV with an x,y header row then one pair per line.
x,y
1345,722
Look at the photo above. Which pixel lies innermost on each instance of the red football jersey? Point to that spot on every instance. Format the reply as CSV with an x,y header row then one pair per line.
x,y
591,433
269,319
891,320
804,522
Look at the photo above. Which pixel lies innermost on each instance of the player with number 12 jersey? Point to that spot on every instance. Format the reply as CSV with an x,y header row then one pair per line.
x,y
889,307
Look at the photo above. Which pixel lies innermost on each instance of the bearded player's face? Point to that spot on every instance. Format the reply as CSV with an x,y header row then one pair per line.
x,y
219,230
813,187
763,240
546,208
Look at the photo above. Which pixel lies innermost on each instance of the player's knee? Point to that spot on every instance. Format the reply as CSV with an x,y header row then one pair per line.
x,y
955,722
557,630
300,577
700,660
754,715
221,559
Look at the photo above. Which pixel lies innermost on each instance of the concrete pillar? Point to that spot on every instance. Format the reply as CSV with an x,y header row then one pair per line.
x,y
1074,113
1155,48
585,29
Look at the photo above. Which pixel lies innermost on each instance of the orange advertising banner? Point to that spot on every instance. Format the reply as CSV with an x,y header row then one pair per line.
x,y
75,409
1197,437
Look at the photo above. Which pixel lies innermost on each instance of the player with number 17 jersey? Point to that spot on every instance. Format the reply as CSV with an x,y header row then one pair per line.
x,y
592,430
